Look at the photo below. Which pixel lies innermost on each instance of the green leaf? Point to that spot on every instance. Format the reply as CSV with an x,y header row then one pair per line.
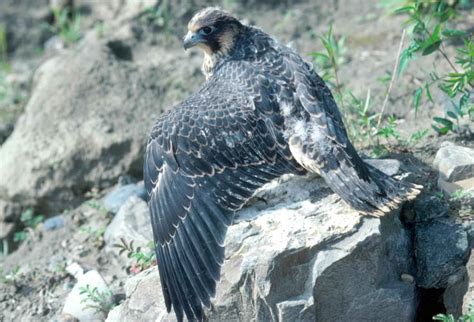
x,y
417,97
404,9
455,33
457,108
26,215
464,100
319,55
405,57
428,92
443,121
433,42
432,47
440,131
436,32
20,236
452,115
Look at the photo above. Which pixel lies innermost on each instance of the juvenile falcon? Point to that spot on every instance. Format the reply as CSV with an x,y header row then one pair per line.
x,y
263,112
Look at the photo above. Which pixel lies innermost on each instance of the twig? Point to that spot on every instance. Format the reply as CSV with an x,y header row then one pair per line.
x,y
447,58
392,80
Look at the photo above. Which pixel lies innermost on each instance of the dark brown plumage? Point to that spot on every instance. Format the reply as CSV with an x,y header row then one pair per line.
x,y
262,113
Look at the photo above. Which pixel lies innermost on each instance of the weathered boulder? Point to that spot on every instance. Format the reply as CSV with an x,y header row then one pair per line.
x,y
87,120
442,249
455,165
298,253
454,162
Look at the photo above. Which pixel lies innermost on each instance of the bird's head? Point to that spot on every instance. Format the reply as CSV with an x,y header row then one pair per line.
x,y
213,30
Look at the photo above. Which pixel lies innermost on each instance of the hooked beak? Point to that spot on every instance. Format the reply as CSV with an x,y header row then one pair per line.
x,y
191,39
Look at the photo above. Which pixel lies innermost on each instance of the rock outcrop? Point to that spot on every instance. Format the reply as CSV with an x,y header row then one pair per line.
x,y
298,253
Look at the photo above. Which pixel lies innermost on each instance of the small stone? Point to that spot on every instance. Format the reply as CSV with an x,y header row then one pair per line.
x,y
79,305
388,166
407,278
67,318
75,270
57,263
115,199
131,223
454,162
53,223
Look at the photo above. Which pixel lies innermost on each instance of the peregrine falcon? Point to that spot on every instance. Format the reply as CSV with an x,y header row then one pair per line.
x,y
262,112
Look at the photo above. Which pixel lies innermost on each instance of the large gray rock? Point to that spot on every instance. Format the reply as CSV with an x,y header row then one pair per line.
x,y
442,250
298,253
87,120
80,128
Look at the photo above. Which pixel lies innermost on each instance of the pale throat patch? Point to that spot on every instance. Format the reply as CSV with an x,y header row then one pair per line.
x,y
210,60
226,41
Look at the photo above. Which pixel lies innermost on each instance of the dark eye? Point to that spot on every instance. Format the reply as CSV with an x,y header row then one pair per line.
x,y
207,30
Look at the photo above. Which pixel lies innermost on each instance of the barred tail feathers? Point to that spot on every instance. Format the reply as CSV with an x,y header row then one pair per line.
x,y
374,194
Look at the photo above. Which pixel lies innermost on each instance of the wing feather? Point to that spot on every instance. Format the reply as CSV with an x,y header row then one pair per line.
x,y
196,184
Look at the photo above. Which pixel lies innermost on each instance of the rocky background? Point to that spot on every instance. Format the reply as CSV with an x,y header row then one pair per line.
x,y
82,84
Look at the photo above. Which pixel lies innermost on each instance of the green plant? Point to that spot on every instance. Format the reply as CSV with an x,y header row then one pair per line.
x,y
143,259
29,221
468,317
100,29
158,16
67,24
3,44
428,26
95,233
4,66
330,61
100,301
365,127
96,204
9,278
4,86
461,194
